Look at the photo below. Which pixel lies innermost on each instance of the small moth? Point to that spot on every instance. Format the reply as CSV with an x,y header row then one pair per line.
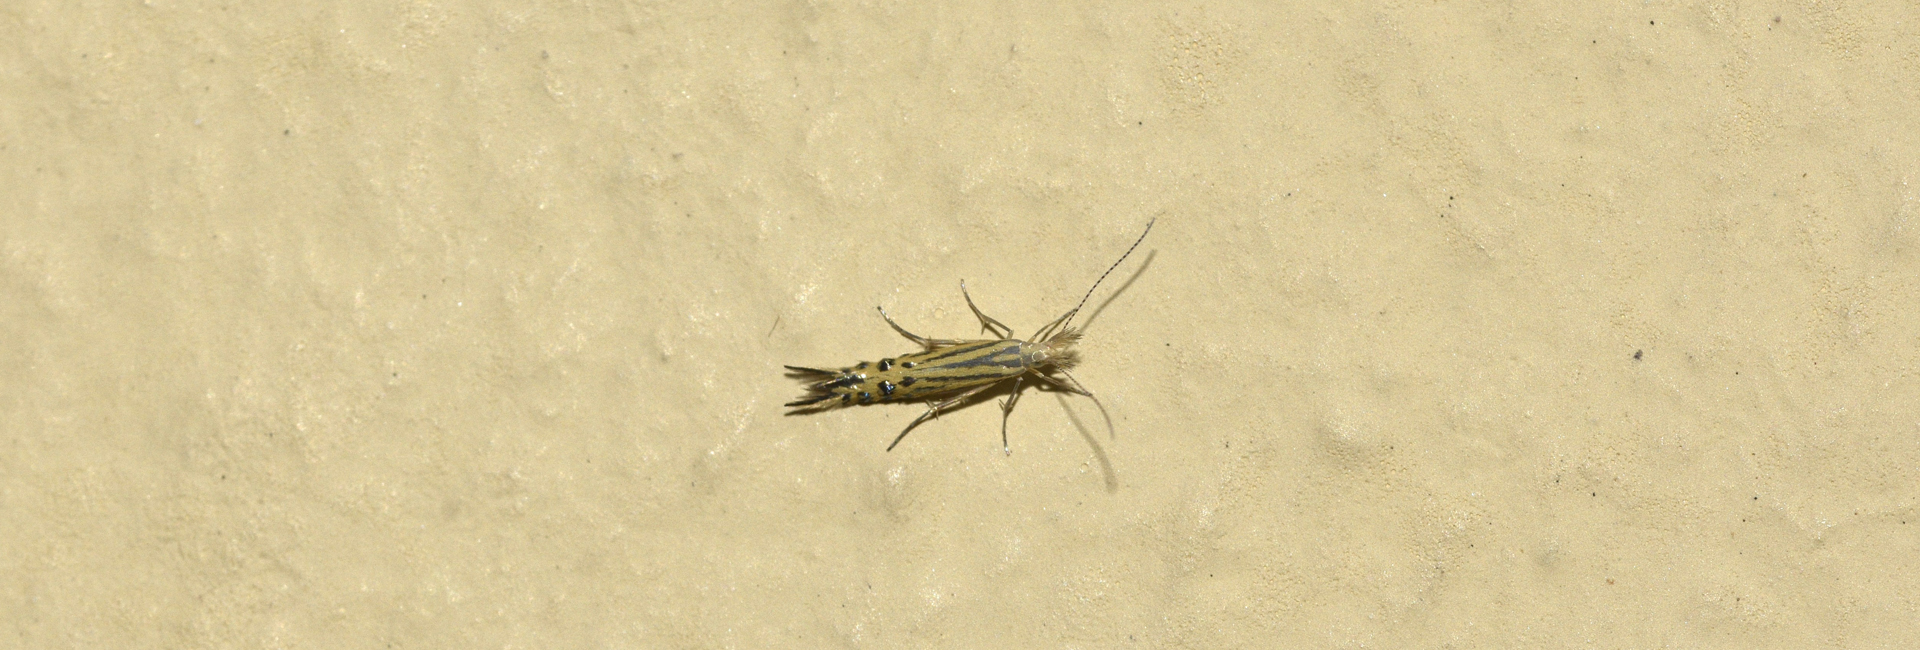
x,y
949,371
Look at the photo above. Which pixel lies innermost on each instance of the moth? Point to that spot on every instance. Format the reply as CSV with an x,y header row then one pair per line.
x,y
947,372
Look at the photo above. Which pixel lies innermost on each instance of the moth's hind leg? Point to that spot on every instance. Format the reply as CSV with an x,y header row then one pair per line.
x,y
923,341
986,322
934,411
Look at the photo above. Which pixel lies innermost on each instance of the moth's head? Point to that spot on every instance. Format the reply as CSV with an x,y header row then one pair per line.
x,y
1057,350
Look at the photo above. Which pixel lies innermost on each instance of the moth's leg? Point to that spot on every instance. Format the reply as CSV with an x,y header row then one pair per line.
x,y
923,341
1006,411
1075,388
934,411
1048,330
986,322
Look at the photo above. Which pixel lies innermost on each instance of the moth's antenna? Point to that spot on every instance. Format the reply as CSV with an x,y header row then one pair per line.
x,y
1068,319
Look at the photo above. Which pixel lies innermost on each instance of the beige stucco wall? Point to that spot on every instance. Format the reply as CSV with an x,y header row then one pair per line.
x,y
461,324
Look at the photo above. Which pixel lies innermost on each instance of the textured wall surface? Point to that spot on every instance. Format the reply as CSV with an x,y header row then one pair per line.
x,y
428,324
